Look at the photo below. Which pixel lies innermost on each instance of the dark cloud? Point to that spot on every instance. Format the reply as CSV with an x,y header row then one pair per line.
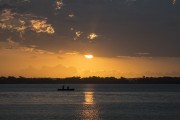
x,y
124,27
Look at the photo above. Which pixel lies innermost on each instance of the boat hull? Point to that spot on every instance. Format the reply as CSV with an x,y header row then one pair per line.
x,y
65,89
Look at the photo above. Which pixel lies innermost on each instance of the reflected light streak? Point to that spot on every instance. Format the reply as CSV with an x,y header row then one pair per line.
x,y
88,97
89,110
90,115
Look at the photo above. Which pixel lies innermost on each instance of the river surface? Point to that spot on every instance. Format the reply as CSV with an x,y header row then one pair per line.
x,y
89,102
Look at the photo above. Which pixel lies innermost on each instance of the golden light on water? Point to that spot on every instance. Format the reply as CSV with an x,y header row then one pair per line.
x,y
89,56
88,98
89,110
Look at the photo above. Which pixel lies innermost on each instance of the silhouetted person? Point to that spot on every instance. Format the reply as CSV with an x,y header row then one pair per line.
x,y
63,87
68,87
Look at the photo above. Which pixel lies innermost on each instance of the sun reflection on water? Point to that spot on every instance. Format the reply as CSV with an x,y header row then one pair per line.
x,y
88,97
89,109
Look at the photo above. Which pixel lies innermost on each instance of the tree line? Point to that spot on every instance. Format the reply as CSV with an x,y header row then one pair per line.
x,y
90,80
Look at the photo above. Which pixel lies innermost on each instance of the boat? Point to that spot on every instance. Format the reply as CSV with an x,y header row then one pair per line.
x,y
65,89
72,89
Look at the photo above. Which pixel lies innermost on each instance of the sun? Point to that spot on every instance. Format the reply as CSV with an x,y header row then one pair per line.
x,y
89,56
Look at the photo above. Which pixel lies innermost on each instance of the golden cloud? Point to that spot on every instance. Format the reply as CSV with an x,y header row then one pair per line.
x,y
92,36
58,4
16,22
41,26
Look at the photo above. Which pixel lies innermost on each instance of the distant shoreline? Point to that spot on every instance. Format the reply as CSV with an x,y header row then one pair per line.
x,y
90,80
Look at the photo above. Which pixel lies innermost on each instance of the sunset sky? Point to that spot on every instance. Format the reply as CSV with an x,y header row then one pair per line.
x,y
65,38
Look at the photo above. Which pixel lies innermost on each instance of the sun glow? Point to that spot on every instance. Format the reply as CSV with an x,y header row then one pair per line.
x,y
89,56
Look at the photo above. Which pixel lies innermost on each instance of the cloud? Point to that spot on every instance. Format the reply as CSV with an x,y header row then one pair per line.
x,y
49,71
143,53
133,74
16,46
72,53
31,35
17,22
12,43
9,44
92,36
41,26
21,22
58,4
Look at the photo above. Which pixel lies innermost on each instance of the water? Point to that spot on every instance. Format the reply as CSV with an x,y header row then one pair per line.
x,y
90,102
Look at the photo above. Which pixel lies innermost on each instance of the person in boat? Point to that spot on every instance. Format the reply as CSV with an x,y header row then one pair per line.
x,y
63,87
66,89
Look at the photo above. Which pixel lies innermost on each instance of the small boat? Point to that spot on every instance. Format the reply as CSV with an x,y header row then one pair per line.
x,y
72,89
65,89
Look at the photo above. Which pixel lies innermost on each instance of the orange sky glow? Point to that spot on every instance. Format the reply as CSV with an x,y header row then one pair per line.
x,y
129,38
33,62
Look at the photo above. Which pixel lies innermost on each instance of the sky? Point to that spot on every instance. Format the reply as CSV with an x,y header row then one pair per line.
x,y
65,38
